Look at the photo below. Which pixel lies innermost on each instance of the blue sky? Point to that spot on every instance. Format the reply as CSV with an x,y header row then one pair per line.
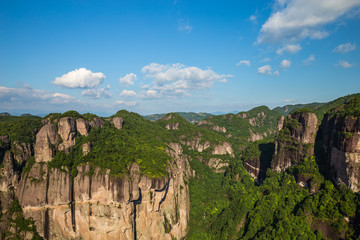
x,y
165,56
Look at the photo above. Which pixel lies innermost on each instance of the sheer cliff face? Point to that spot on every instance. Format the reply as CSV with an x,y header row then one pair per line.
x,y
341,141
95,204
295,140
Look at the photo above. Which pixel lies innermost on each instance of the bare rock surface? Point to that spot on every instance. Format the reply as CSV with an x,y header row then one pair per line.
x,y
118,122
46,141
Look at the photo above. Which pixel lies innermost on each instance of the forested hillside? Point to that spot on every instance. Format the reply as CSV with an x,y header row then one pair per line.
x,y
252,175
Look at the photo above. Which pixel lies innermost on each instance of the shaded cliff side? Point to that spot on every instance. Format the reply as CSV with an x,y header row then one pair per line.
x,y
295,140
341,142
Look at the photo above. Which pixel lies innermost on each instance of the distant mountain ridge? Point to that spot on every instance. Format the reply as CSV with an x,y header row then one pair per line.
x,y
189,116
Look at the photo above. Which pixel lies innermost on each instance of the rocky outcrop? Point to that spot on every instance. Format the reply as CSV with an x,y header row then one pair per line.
x,y
118,122
86,148
218,165
97,205
280,123
172,126
46,141
67,131
97,122
223,149
83,127
196,144
213,127
295,140
341,141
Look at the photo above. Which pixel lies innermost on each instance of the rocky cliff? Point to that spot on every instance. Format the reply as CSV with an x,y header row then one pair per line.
x,y
295,140
94,204
341,142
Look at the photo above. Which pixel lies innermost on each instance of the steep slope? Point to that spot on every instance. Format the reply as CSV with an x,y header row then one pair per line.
x,y
121,178
256,124
295,141
341,141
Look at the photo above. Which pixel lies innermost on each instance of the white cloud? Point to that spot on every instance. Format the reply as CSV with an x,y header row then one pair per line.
x,y
26,99
309,60
128,104
243,62
290,48
285,63
177,79
128,79
80,78
295,20
288,100
266,59
276,73
184,26
152,94
266,70
97,93
345,64
128,93
253,18
345,48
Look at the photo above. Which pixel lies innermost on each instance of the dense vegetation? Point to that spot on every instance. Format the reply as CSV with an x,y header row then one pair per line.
x,y
140,141
22,228
300,203
239,128
20,129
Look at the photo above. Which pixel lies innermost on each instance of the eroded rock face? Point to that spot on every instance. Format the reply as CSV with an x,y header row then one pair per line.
x,y
223,149
86,148
118,122
46,141
172,126
341,141
8,176
97,122
295,141
280,123
83,127
67,132
218,165
196,144
215,127
97,205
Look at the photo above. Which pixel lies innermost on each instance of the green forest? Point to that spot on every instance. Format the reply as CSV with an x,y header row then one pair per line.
x,y
299,203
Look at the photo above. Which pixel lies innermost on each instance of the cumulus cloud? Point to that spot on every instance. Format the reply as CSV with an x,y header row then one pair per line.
x,y
345,64
295,20
80,78
178,79
289,48
285,63
345,48
128,93
243,62
151,94
97,93
184,26
309,60
128,79
266,70
127,104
